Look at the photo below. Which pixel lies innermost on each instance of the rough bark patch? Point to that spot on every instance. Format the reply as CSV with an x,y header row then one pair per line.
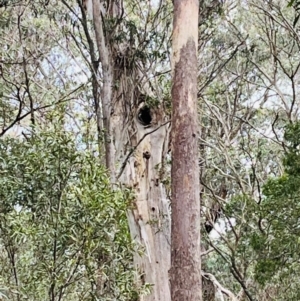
x,y
185,254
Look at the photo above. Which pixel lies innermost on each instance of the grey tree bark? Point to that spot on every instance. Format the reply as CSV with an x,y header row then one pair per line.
x,y
136,145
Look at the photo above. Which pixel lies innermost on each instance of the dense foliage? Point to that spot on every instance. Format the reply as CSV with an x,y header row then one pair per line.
x,y
63,229
265,238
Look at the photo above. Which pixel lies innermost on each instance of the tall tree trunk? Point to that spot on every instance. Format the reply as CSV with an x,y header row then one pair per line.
x,y
149,221
136,143
185,273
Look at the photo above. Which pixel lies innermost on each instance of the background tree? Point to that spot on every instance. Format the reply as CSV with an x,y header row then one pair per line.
x,y
243,136
136,126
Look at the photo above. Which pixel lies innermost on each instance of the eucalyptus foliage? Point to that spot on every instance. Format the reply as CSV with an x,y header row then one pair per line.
x,y
278,241
63,228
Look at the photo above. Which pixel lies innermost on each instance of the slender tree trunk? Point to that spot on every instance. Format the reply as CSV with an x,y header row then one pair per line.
x,y
185,273
107,65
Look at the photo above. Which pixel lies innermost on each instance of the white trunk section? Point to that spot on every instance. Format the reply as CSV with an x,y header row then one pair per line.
x,y
135,157
149,221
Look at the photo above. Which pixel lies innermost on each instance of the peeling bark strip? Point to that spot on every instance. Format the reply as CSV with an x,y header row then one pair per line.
x,y
185,273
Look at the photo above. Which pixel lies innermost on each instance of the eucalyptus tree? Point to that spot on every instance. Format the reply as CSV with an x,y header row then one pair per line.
x,y
132,42
185,273
38,79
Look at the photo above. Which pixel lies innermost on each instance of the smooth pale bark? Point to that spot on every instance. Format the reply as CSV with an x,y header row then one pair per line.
x,y
185,273
135,156
149,221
